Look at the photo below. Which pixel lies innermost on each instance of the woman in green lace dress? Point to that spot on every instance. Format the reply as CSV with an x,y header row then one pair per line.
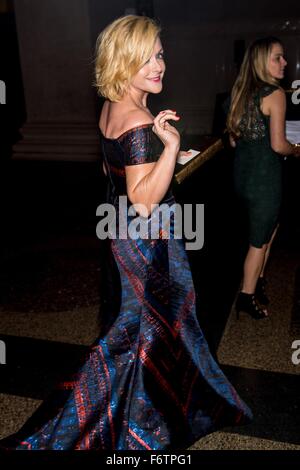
x,y
256,125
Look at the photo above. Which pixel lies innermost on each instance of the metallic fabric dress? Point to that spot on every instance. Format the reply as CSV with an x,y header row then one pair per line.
x,y
149,383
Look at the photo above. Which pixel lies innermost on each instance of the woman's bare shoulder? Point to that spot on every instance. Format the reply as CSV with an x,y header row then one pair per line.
x,y
136,117
274,102
116,120
103,116
277,94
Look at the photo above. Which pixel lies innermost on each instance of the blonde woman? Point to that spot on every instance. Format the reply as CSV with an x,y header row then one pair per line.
x,y
150,383
256,124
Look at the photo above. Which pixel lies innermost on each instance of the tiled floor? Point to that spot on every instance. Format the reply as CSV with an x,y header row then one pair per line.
x,y
49,313
256,356
267,344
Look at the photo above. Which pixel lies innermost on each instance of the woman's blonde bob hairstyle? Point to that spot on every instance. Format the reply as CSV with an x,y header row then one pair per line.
x,y
252,76
122,48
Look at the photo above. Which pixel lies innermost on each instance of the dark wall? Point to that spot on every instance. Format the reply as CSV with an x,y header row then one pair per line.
x,y
194,11
13,114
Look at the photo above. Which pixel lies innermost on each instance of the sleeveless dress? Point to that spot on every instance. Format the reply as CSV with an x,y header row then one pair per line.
x,y
258,172
150,382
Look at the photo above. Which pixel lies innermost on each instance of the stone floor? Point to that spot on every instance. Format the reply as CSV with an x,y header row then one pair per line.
x,y
49,313
256,356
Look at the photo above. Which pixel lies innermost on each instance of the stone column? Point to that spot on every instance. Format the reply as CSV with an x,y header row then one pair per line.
x,y
56,54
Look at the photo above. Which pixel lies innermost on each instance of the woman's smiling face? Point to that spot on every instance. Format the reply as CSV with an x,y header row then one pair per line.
x,y
149,78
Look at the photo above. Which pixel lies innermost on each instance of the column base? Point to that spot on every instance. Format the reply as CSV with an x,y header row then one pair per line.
x,y
77,142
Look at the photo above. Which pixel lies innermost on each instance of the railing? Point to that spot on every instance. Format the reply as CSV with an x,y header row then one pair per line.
x,y
208,147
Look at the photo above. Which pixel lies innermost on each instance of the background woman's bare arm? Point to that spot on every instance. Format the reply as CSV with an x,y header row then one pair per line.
x,y
276,105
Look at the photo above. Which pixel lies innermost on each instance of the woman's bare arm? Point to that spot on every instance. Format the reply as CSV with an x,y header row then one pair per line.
x,y
148,183
276,106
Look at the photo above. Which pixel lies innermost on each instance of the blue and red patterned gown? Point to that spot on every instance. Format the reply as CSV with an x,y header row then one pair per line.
x,y
150,382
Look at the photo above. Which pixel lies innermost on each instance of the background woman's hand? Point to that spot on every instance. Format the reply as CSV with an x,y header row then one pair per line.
x,y
297,150
232,141
184,153
167,133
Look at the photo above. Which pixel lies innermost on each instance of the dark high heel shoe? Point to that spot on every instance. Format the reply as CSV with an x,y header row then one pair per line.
x,y
247,303
260,291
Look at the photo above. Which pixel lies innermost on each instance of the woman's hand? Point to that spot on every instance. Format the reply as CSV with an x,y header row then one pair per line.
x,y
184,153
296,150
232,141
168,134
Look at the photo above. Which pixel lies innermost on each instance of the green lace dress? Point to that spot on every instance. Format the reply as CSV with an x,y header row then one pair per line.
x,y
258,172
